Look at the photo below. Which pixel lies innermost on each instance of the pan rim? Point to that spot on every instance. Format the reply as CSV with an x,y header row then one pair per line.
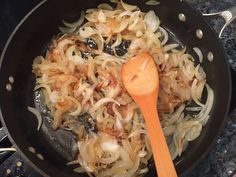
x,y
41,172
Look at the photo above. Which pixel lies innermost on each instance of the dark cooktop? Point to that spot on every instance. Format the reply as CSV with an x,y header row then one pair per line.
x,y
220,162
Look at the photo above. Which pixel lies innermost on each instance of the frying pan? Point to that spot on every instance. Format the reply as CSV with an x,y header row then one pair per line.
x,y
31,38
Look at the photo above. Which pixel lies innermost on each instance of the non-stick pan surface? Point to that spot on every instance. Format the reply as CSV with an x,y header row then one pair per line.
x,y
31,38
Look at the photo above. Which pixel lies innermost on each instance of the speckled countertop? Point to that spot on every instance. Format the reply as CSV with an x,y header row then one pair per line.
x,y
221,161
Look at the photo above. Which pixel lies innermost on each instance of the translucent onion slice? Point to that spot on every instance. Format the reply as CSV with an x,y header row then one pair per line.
x,y
169,130
137,132
38,116
193,132
123,14
132,171
110,145
118,41
101,17
199,54
79,170
128,7
179,140
203,115
73,55
78,23
152,21
165,35
86,32
105,6
152,3
176,115
169,47
104,101
143,171
193,109
114,1
194,93
112,158
77,106
121,26
67,29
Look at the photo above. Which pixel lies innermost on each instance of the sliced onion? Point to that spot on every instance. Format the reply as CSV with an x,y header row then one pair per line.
x,y
90,73
114,1
199,73
165,35
121,26
199,54
128,7
152,21
88,167
193,132
72,54
194,93
54,97
193,108
67,30
112,158
110,145
118,124
79,170
77,23
169,130
85,148
104,101
152,3
129,114
125,13
178,139
173,151
132,171
169,47
203,115
61,45
137,132
38,116
105,6
199,89
117,113
143,171
86,32
7,149
139,33
176,115
118,41
101,16
77,106
142,154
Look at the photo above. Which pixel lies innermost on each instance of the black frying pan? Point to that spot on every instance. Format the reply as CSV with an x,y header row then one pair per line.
x,y
31,38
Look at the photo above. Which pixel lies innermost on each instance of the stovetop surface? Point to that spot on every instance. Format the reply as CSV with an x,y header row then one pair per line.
x,y
220,162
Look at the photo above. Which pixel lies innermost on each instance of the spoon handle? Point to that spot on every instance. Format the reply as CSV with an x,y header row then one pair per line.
x,y
161,154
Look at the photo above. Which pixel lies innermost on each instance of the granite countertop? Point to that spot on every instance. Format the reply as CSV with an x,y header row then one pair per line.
x,y
221,161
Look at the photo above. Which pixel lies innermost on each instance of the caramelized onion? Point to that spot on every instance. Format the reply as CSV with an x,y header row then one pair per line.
x,y
80,77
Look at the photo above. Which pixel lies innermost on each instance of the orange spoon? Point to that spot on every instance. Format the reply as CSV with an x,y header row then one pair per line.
x,y
141,80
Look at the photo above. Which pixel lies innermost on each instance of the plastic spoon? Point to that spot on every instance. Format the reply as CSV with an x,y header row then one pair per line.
x,y
141,80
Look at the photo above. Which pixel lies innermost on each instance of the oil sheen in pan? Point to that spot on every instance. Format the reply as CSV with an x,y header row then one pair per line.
x,y
62,142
